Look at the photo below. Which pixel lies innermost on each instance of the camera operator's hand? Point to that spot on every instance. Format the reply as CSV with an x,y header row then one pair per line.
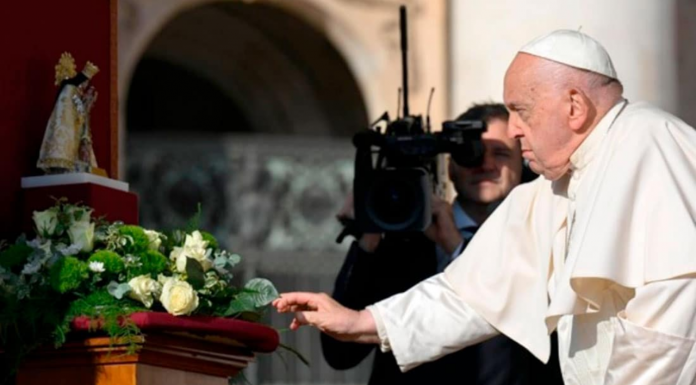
x,y
368,242
443,230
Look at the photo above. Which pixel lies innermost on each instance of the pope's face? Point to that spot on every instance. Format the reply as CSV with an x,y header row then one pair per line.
x,y
537,118
498,174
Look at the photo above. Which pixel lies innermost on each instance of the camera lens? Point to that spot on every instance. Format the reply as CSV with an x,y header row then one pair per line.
x,y
395,202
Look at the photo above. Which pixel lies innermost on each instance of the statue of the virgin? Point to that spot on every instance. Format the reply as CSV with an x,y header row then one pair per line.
x,y
67,142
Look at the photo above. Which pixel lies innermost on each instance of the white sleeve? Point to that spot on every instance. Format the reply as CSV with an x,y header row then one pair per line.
x,y
427,322
655,336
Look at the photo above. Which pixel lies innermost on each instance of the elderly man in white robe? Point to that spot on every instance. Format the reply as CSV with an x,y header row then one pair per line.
x,y
601,249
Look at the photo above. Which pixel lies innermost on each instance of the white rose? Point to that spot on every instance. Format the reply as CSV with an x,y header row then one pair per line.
x,y
194,247
82,233
46,222
144,289
155,240
178,297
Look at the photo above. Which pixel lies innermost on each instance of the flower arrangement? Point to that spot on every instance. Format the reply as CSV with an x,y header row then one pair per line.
x,y
81,266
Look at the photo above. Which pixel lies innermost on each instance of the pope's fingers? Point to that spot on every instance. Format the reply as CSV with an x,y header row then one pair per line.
x,y
296,308
297,298
295,324
290,302
301,319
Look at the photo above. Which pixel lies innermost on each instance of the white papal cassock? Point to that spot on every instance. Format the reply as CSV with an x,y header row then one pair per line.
x,y
606,256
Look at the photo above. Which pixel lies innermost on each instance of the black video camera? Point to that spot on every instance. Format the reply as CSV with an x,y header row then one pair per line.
x,y
394,184
396,171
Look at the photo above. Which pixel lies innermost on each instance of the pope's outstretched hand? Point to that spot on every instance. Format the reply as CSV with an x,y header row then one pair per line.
x,y
324,313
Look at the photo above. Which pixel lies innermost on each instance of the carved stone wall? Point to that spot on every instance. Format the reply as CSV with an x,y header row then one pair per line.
x,y
273,200
276,194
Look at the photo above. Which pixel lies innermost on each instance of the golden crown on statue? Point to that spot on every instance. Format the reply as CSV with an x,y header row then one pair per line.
x,y
65,69
90,70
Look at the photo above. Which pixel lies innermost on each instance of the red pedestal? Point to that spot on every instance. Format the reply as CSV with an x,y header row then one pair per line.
x,y
112,204
173,351
257,337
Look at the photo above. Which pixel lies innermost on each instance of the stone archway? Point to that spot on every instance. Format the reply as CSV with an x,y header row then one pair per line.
x,y
276,72
363,32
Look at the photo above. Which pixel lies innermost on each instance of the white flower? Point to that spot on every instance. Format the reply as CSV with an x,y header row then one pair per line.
x,y
180,260
145,290
82,233
162,279
46,221
155,239
194,247
68,250
85,214
32,267
96,267
178,297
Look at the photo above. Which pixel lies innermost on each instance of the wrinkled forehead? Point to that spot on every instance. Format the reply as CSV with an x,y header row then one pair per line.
x,y
521,78
513,80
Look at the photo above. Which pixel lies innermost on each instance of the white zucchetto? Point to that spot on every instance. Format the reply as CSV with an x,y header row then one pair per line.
x,y
572,48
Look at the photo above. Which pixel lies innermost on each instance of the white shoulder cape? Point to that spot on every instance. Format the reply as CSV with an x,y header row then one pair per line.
x,y
635,224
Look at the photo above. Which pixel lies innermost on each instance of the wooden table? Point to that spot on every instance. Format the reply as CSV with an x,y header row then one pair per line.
x,y
162,358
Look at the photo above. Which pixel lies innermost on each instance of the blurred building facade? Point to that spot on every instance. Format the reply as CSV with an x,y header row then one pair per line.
x,y
248,107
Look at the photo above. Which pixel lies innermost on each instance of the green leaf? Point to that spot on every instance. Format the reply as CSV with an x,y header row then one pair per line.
x,y
194,274
242,303
195,221
263,291
118,290
175,239
219,262
234,259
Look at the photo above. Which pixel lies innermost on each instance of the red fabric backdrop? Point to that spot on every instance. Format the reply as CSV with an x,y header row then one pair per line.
x,y
33,34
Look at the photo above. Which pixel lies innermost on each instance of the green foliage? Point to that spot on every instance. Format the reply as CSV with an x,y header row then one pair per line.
x,y
194,274
39,305
118,290
113,263
175,238
67,274
66,214
257,294
194,223
26,324
109,314
136,239
15,256
212,241
151,262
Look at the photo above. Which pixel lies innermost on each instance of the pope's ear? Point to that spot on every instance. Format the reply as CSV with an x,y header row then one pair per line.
x,y
580,110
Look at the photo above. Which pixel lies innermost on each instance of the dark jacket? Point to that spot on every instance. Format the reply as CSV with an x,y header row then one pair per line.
x,y
400,262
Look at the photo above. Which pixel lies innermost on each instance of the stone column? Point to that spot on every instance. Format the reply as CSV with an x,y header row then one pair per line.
x,y
640,36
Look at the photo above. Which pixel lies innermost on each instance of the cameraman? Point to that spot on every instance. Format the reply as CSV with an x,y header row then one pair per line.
x,y
380,265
